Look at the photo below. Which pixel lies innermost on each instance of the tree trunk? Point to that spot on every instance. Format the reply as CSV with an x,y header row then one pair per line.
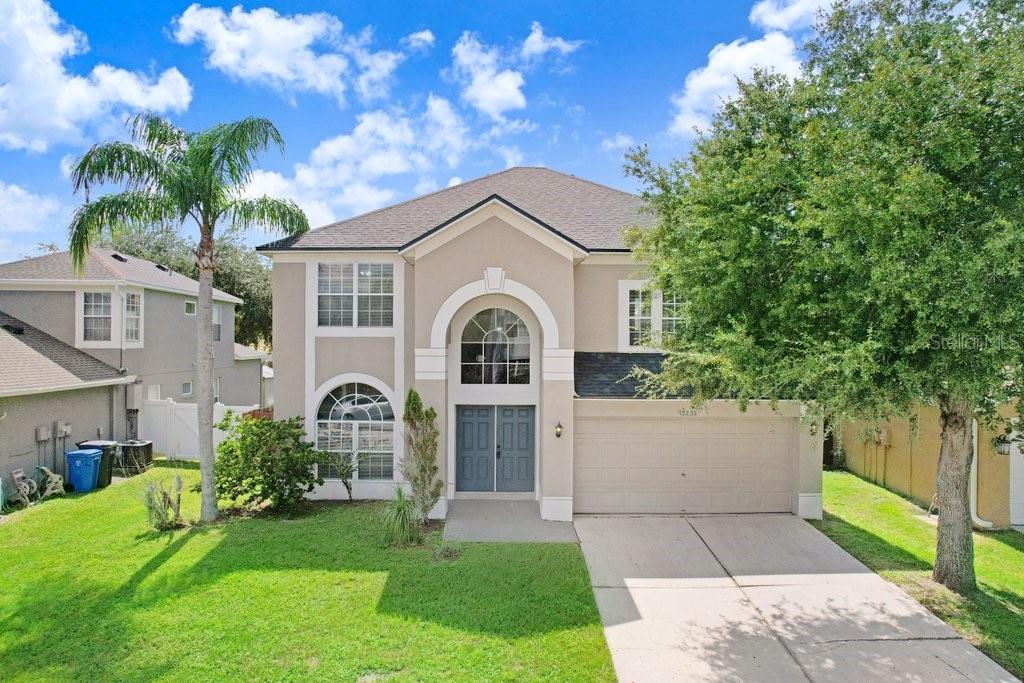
x,y
954,553
204,374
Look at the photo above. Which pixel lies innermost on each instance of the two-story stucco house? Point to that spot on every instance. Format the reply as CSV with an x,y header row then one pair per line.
x,y
136,316
512,305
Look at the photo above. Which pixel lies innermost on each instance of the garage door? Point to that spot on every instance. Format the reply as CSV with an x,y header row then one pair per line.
x,y
683,464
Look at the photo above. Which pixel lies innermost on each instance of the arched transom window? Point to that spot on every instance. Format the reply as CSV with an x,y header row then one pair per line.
x,y
355,421
495,349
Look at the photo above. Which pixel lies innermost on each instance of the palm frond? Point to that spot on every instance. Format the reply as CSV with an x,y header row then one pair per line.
x,y
278,215
235,146
156,133
133,208
116,162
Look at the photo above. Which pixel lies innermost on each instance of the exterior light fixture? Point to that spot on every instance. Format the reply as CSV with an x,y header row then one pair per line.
x,y
558,430
1003,446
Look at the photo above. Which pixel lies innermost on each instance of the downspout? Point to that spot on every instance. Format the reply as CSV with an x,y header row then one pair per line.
x,y
973,486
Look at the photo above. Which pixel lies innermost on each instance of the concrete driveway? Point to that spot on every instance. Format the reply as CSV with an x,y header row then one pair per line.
x,y
759,597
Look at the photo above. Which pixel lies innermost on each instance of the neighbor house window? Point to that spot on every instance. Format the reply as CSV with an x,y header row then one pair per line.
x,y
355,295
190,308
132,317
217,323
639,317
216,389
96,316
186,388
356,422
495,349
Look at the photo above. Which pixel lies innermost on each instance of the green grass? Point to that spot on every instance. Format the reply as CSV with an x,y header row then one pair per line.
x,y
883,531
88,592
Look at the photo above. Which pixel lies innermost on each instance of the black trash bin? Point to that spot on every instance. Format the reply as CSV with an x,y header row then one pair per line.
x,y
109,449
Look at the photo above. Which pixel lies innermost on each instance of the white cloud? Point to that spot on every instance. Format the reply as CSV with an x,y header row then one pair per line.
x,y
290,53
420,40
485,85
705,88
23,214
41,103
346,174
454,180
619,141
510,154
538,44
786,15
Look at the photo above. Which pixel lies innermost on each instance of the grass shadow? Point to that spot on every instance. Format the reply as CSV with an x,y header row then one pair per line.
x,y
869,548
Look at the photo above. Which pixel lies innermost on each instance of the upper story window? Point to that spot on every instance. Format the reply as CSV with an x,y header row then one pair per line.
x,y
96,316
495,349
355,421
190,307
133,317
218,323
646,316
355,295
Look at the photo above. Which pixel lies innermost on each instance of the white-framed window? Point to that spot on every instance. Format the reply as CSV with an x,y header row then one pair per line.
x,y
495,349
355,294
646,316
133,317
190,307
216,389
96,316
218,324
356,422
186,388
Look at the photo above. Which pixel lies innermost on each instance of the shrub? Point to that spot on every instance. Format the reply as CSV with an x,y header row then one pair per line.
x,y
400,528
344,468
265,462
163,506
419,466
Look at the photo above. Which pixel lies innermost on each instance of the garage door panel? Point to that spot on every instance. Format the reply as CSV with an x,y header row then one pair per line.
x,y
683,464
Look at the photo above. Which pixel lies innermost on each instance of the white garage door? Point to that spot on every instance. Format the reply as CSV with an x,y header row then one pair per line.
x,y
683,464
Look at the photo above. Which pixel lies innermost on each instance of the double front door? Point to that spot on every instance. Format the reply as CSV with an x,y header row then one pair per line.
x,y
494,448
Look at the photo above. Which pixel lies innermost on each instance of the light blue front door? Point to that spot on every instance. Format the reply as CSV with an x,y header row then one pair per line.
x,y
494,448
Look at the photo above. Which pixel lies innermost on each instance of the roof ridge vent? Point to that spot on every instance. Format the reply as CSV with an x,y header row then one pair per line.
x,y
162,267
119,257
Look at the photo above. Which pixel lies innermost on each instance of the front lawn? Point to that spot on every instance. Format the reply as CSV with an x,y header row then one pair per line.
x,y
88,592
883,531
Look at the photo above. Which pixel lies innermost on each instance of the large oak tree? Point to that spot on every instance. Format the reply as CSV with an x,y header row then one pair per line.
x,y
855,238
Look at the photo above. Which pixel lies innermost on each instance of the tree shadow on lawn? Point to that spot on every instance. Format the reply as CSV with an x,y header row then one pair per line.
x,y
872,550
85,628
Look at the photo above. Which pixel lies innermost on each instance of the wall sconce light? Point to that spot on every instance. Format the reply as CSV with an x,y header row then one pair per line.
x,y
1003,446
558,430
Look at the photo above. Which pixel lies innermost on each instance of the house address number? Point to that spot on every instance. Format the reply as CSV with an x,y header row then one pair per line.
x,y
691,412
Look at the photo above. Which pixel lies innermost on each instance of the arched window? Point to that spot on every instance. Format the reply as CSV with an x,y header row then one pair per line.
x,y
495,349
356,421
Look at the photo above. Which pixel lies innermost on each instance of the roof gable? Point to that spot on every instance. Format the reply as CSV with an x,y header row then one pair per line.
x,y
585,213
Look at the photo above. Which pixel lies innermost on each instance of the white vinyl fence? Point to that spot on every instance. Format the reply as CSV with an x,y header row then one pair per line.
x,y
174,427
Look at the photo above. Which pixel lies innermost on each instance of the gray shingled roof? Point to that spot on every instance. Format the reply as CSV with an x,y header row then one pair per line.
x,y
606,375
34,362
100,264
584,212
243,352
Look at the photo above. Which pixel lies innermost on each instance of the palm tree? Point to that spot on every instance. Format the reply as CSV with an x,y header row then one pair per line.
x,y
170,175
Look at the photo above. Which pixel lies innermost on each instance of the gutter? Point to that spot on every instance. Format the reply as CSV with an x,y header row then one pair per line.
x,y
973,485
127,379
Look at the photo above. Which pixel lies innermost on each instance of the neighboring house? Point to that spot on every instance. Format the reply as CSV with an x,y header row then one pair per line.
x,y
135,315
905,458
512,305
51,395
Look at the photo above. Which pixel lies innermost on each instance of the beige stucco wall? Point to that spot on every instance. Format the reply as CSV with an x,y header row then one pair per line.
x,y
596,290
374,356
493,243
289,329
907,462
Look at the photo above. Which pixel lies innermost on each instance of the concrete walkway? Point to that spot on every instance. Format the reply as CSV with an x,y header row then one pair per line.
x,y
759,597
509,521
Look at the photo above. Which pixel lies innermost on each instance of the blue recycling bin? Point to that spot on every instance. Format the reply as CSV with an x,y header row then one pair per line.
x,y
83,468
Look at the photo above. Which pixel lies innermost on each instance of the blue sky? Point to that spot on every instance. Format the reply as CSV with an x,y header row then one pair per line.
x,y
378,101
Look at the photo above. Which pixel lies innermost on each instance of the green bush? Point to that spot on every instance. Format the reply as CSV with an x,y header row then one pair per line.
x,y
400,528
419,466
265,461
